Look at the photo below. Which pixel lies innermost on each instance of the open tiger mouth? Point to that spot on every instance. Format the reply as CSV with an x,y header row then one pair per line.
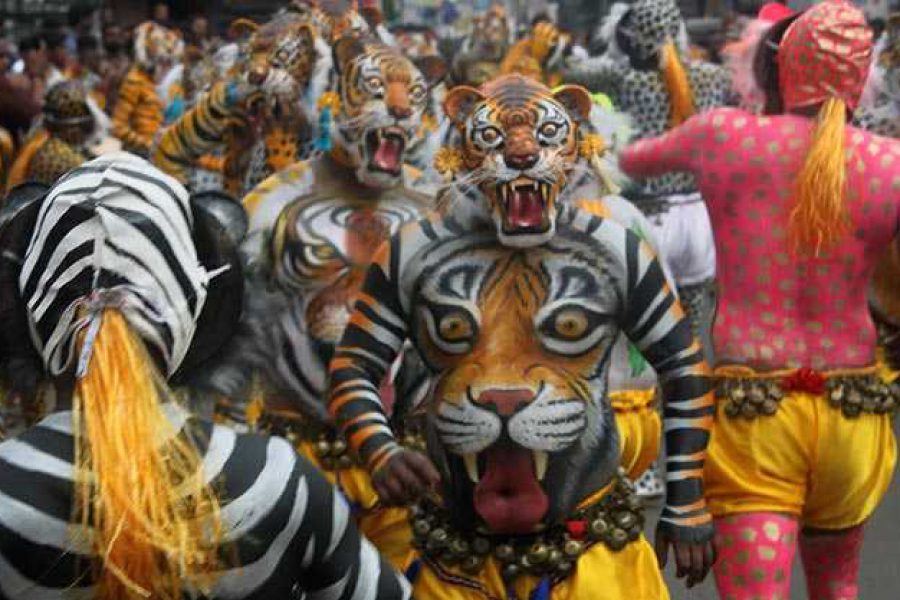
x,y
385,147
525,206
508,493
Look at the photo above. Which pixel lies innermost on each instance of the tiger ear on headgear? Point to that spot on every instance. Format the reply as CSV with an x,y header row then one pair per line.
x,y
460,102
345,50
242,28
576,100
220,224
433,68
17,221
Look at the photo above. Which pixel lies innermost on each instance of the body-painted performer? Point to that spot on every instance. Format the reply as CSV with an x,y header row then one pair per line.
x,y
646,76
484,48
646,73
314,229
138,114
514,297
879,112
257,116
126,282
61,145
802,208
539,55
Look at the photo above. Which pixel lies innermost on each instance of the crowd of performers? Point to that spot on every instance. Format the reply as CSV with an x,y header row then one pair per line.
x,y
322,313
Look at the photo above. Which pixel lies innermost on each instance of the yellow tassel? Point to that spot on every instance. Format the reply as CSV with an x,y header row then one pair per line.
x,y
140,487
819,217
681,96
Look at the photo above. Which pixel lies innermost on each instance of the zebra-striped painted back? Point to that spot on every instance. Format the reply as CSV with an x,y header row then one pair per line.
x,y
287,532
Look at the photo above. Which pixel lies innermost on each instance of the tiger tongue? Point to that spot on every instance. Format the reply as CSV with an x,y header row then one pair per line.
x,y
524,208
387,155
509,497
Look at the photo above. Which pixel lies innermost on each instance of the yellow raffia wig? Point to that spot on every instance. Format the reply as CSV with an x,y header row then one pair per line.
x,y
138,485
681,96
819,217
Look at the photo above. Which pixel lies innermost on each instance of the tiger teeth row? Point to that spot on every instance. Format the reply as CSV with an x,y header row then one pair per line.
x,y
541,459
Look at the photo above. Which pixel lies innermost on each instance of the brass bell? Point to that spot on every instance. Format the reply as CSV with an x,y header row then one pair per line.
x,y
564,567
748,411
472,565
511,571
538,554
854,398
634,504
338,447
573,549
732,409
774,392
481,546
459,547
421,527
345,462
739,393
851,411
554,557
409,441
618,538
625,520
769,407
836,397
505,553
323,448
757,395
598,528
438,537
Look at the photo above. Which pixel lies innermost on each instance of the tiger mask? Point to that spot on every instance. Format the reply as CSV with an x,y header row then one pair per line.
x,y
517,418
157,48
383,97
519,143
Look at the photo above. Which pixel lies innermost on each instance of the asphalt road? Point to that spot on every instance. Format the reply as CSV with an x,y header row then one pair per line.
x,y
880,576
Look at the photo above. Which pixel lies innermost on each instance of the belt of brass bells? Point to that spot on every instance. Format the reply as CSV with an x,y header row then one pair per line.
x,y
854,395
330,446
615,520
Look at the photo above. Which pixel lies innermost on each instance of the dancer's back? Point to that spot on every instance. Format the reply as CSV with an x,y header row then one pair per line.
x,y
286,529
780,306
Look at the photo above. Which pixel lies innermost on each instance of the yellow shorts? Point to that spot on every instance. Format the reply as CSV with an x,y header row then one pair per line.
x,y
806,460
387,528
601,574
640,428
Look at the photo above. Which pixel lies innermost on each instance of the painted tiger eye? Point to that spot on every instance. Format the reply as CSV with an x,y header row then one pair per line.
x,y
571,324
490,135
549,130
455,327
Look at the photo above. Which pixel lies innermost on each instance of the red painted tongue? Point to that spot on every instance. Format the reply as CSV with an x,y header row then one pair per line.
x,y
509,497
525,208
387,156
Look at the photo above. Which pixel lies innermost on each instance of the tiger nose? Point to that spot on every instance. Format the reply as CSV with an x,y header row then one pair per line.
x,y
522,162
400,112
505,402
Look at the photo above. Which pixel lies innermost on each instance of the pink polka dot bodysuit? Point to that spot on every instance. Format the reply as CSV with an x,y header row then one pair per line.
x,y
777,308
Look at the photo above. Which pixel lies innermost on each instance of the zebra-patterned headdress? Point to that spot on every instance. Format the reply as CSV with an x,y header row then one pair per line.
x,y
116,232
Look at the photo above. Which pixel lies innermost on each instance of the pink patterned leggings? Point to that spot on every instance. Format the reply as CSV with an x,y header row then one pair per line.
x,y
756,554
